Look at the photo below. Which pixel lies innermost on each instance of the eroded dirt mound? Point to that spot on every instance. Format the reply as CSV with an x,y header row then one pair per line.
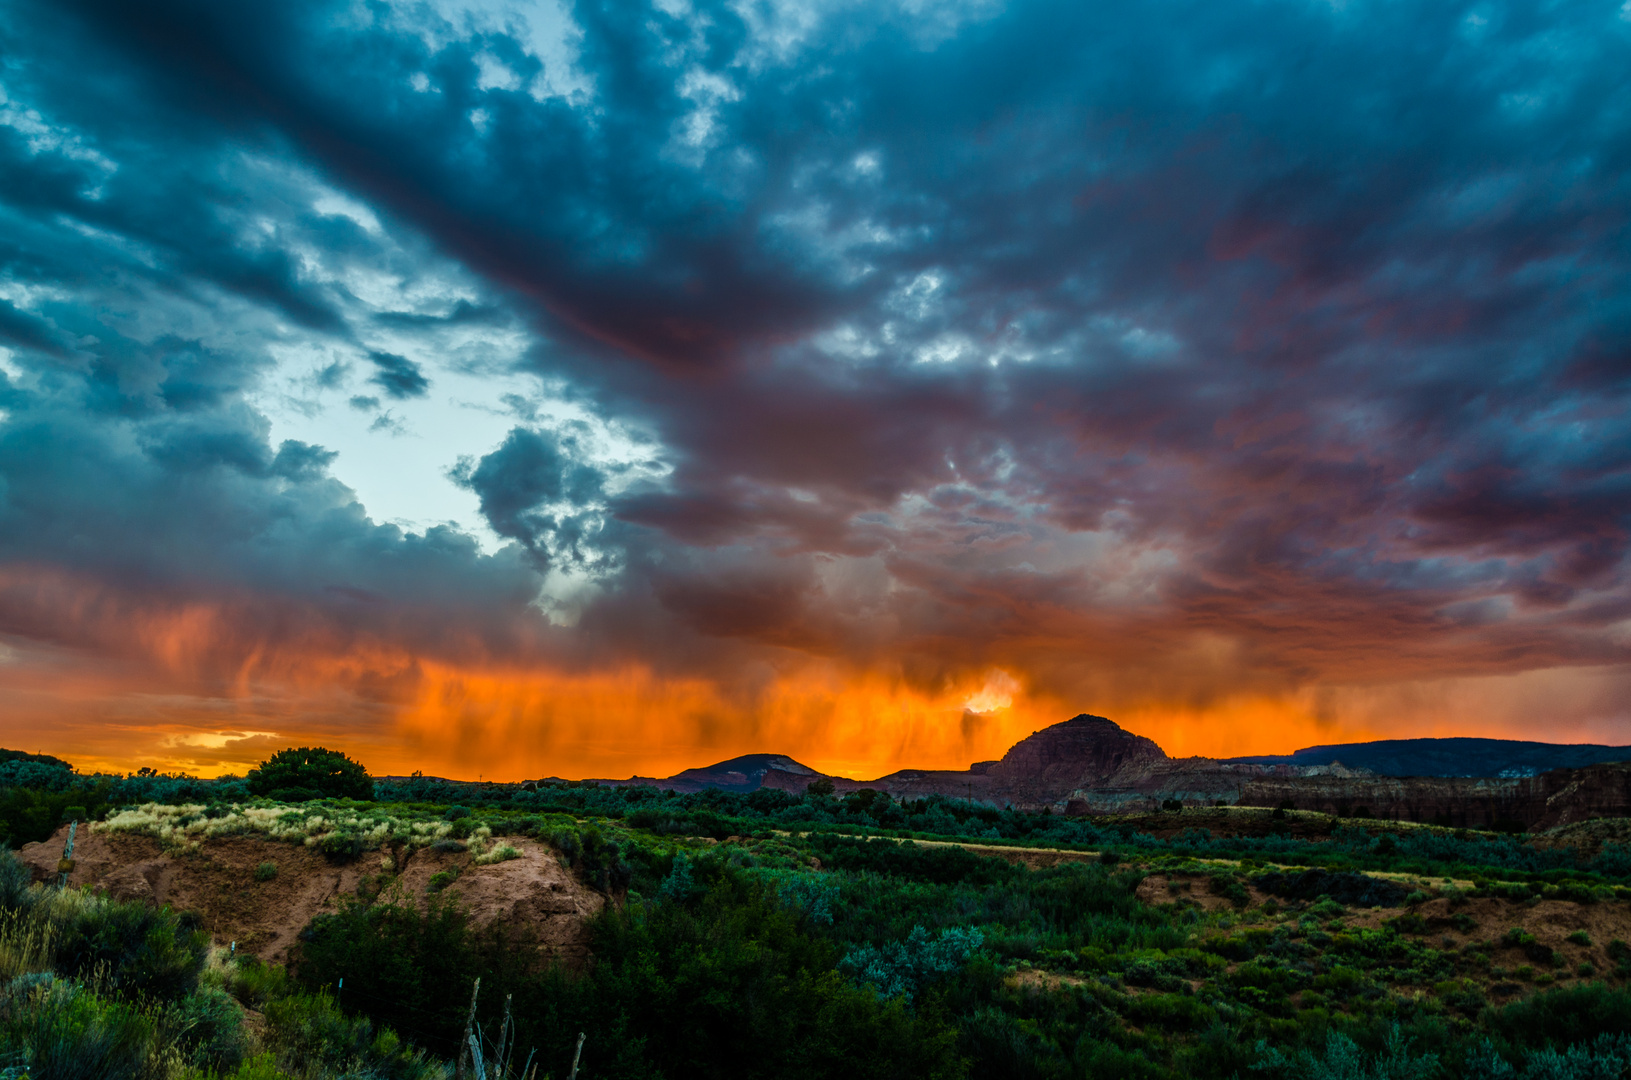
x,y
222,882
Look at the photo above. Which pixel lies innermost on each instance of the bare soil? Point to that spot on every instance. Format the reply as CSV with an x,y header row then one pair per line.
x,y
534,894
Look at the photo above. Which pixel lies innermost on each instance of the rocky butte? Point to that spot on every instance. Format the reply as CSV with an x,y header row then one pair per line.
x,y
1091,765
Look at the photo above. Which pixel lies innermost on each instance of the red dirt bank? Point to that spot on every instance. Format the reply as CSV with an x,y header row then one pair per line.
x,y
217,882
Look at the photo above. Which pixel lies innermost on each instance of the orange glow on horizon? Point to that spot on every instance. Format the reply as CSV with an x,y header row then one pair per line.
x,y
196,688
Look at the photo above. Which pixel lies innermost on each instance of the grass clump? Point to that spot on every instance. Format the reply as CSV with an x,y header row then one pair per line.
x,y
496,854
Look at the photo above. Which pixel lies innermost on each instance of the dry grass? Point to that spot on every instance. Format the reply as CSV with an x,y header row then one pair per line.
x,y
185,828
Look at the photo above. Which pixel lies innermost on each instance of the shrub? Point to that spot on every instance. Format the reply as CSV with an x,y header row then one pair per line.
x,y
679,885
497,854
1344,1060
207,1029
254,983
1580,937
1563,1017
15,878
309,1030
138,950
260,1067
340,846
441,880
1226,886
902,969
66,1033
266,871
326,772
810,895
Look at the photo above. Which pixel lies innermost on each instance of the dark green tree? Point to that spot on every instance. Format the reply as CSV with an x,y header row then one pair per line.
x,y
309,773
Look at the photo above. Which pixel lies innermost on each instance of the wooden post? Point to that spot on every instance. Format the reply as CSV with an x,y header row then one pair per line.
x,y
575,1056
503,1057
66,865
469,1030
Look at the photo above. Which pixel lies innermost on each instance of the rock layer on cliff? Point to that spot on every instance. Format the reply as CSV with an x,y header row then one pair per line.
x,y
1552,799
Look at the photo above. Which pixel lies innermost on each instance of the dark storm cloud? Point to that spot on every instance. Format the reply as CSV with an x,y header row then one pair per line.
x,y
1325,305
523,485
398,376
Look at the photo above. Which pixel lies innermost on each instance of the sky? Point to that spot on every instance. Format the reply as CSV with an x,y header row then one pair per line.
x,y
505,389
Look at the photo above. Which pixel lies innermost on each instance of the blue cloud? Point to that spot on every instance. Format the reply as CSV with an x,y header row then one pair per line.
x,y
1331,303
398,376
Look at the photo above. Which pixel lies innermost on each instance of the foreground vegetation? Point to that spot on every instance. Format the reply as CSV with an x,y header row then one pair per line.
x,y
774,934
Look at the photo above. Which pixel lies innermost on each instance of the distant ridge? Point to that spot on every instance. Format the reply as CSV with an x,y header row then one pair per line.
x,y
740,774
1449,757
1090,764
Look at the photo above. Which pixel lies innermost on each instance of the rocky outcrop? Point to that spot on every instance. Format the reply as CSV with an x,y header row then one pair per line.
x,y
1568,796
1083,752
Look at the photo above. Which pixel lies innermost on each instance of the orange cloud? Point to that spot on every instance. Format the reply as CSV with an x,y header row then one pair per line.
x,y
212,687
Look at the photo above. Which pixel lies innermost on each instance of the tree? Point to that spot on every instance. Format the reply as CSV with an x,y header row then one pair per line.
x,y
821,786
310,773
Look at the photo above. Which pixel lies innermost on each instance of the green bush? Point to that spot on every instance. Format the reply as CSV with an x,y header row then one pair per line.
x,y
29,815
260,1067
328,773
138,950
903,969
254,982
1563,1017
207,1029
15,878
731,984
64,1032
1343,1059
266,871
340,846
309,1032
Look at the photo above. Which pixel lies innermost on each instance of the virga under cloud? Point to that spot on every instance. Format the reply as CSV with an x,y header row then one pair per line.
x,y
868,382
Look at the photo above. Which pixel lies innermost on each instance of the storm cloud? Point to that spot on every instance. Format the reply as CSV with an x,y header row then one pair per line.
x,y
1158,357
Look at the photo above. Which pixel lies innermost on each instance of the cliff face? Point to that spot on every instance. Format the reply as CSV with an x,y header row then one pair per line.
x,y
1566,796
1459,801
1559,797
